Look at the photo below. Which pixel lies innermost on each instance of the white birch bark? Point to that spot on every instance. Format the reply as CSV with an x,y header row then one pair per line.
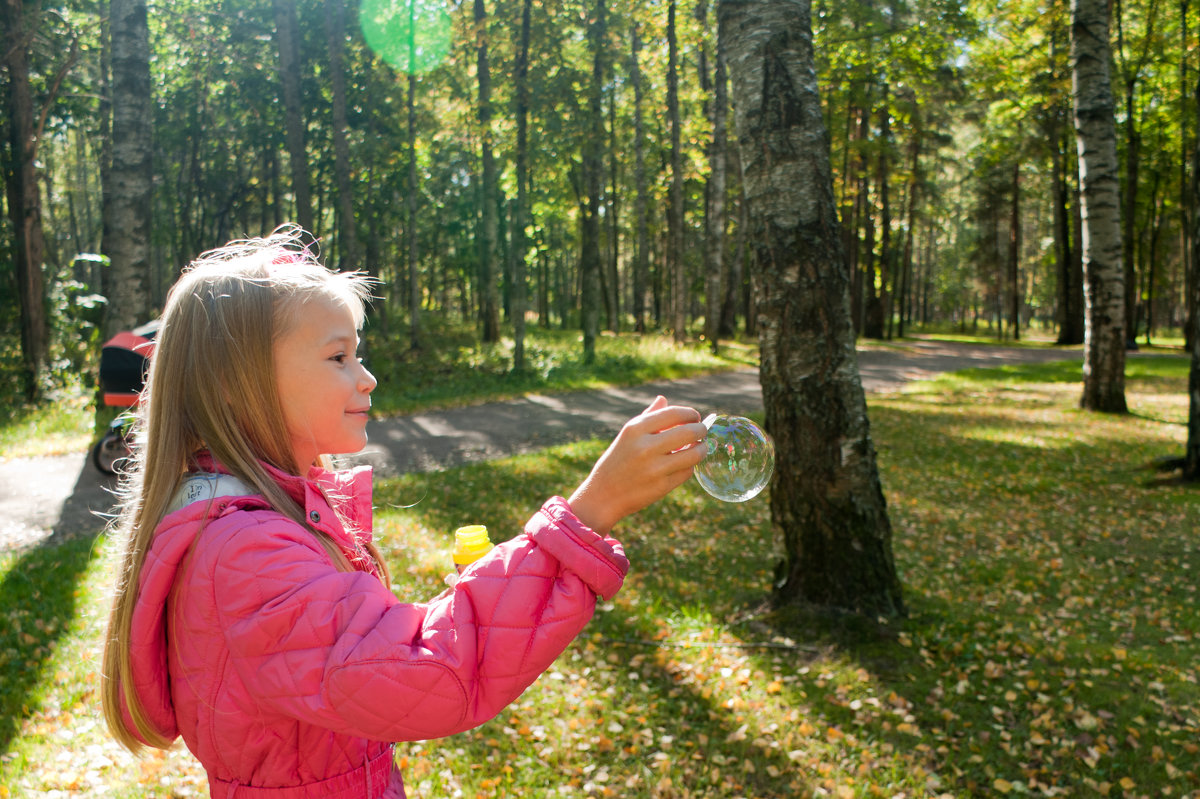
x,y
128,195
826,498
1103,269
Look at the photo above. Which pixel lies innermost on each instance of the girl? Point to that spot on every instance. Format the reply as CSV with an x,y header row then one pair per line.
x,y
253,615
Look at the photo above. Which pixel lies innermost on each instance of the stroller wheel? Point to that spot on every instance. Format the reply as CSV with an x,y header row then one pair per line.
x,y
109,452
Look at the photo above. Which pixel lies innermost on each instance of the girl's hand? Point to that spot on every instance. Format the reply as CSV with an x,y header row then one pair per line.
x,y
653,454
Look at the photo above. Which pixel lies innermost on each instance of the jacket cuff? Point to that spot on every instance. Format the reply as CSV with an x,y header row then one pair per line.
x,y
599,561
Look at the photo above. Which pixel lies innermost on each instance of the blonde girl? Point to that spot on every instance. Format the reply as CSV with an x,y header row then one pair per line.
x,y
253,615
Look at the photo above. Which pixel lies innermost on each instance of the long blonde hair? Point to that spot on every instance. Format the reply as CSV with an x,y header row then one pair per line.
x,y
212,386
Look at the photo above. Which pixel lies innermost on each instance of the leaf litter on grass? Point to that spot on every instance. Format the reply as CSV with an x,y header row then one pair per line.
x,y
1050,650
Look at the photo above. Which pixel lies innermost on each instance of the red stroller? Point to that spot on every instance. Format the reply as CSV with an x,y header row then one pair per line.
x,y
124,360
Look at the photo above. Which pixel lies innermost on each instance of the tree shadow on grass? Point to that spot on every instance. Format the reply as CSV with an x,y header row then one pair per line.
x,y
1052,630
643,724
1003,671
39,596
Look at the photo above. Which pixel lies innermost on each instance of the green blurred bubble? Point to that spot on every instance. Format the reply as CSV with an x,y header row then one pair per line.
x,y
411,35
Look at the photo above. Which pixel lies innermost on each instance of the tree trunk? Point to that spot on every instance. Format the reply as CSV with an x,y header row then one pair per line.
x,y
732,284
612,295
127,243
1191,461
347,232
1129,214
740,285
858,211
715,246
1104,273
641,258
1191,464
1186,194
521,213
826,498
910,232
24,201
590,261
410,201
872,310
676,264
287,38
879,316
1014,255
1070,276
489,221
1149,270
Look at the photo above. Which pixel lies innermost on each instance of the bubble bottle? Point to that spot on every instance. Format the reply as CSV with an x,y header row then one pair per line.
x,y
470,544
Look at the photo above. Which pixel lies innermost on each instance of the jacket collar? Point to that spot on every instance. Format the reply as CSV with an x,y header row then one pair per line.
x,y
346,490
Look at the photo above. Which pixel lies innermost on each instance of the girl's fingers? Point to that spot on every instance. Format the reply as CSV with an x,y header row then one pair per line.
x,y
680,436
659,402
665,418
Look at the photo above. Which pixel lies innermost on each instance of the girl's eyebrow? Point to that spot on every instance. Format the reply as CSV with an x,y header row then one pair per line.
x,y
341,340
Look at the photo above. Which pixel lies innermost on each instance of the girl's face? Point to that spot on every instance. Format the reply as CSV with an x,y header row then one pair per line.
x,y
325,390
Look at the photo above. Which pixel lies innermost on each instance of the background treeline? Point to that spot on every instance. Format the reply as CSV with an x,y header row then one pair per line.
x,y
570,164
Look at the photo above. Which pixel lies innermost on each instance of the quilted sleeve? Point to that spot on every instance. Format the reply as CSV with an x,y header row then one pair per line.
x,y
340,651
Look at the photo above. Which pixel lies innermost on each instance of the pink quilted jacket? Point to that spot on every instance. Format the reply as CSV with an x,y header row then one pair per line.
x,y
288,679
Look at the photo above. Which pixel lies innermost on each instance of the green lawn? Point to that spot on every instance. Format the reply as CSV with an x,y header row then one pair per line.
x,y
1051,647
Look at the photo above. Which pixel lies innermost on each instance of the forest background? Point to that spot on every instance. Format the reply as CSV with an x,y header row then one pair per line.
x,y
465,183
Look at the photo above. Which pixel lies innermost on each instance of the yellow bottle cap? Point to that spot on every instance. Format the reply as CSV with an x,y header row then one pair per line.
x,y
470,544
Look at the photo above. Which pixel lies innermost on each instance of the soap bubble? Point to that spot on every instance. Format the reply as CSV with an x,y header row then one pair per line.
x,y
740,458
411,35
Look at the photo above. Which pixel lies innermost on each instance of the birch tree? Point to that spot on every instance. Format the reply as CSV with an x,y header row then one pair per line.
x,y
130,186
1103,271
827,503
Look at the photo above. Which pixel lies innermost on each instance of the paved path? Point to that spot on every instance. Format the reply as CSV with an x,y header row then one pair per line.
x,y
51,498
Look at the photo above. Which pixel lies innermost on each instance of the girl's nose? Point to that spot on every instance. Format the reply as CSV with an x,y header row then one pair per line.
x,y
367,381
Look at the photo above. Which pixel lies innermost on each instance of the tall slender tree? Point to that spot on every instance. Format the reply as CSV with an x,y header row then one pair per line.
x,y
676,263
489,220
521,210
718,157
1104,273
347,233
24,199
1191,460
412,251
1015,294
826,499
128,194
287,37
590,261
641,258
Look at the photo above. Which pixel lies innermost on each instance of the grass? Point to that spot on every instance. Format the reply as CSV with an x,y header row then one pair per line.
x,y
62,425
459,370
1051,647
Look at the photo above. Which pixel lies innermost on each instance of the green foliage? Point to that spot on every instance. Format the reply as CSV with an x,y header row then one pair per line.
x,y
1051,647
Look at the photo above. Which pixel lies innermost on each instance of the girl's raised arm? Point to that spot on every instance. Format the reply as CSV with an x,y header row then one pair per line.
x,y
653,454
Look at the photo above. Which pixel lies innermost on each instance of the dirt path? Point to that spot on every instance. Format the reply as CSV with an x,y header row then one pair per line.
x,y
52,498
